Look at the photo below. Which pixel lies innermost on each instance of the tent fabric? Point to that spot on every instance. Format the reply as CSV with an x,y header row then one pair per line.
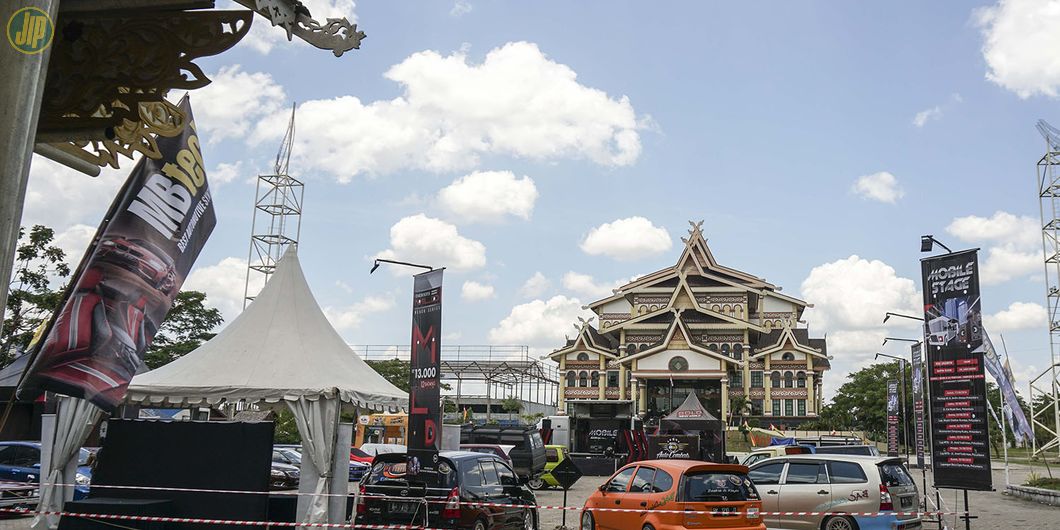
x,y
281,348
690,416
74,422
782,441
317,424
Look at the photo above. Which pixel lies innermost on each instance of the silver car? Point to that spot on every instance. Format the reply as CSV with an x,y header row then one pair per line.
x,y
833,486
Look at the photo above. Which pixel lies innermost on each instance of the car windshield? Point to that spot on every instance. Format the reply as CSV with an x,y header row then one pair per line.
x,y
894,474
293,456
82,457
394,471
718,487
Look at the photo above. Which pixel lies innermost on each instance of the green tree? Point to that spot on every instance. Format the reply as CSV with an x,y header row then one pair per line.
x,y
286,429
738,405
188,324
861,403
39,265
394,370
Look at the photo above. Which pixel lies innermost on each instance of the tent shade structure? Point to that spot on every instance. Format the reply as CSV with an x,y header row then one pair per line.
x,y
281,348
690,416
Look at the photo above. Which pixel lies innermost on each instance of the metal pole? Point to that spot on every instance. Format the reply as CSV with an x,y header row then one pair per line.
x,y
21,90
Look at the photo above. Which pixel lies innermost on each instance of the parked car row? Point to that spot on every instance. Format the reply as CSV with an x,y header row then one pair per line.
x,y
20,462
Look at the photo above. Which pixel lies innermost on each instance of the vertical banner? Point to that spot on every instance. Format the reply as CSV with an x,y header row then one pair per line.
x,y
425,414
1017,420
892,417
960,448
918,401
129,278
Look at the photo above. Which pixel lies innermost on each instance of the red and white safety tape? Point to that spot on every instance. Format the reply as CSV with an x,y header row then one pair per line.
x,y
199,520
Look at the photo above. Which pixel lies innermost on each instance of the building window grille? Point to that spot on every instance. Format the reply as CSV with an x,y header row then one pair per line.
x,y
776,407
737,352
802,407
788,407
789,380
801,380
594,379
756,379
570,379
736,379
756,407
583,379
774,380
583,356
725,350
788,356
612,378
631,349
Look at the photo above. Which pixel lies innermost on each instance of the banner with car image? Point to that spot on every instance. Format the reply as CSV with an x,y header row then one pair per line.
x,y
129,277
960,444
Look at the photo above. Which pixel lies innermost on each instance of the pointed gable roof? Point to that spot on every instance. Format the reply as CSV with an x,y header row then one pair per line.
x,y
590,340
679,332
788,338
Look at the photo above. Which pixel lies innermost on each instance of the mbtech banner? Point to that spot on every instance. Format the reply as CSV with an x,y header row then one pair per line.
x,y
130,276
960,445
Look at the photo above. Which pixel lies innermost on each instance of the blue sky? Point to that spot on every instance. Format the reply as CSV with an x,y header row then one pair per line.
x,y
555,126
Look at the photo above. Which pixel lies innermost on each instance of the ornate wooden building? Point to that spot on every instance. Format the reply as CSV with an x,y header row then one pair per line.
x,y
694,327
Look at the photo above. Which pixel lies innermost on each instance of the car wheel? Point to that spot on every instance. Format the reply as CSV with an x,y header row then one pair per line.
x,y
587,521
480,525
839,522
528,520
536,484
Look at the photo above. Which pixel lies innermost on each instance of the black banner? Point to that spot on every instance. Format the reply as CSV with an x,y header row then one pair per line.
x,y
960,448
892,417
918,401
130,276
425,414
673,447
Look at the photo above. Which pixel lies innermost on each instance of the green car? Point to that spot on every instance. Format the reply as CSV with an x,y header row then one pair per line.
x,y
554,454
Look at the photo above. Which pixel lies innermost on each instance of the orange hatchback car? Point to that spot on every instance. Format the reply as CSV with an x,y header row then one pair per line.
x,y
675,494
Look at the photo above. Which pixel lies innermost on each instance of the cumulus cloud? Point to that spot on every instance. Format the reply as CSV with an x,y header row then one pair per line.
x,y
224,284
535,285
234,101
74,241
489,196
1013,244
540,324
1019,45
1018,315
350,317
586,286
422,239
473,291
84,199
517,102
627,239
880,187
224,173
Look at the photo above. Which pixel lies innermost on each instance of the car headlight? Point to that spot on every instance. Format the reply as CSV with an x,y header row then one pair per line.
x,y
82,479
276,473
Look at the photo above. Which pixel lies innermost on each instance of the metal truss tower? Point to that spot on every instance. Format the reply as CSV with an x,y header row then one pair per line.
x,y
1045,389
277,221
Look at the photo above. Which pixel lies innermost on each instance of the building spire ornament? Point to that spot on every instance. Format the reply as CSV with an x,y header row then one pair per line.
x,y
582,324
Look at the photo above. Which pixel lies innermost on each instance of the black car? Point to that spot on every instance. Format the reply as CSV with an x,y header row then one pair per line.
x,y
283,476
528,455
465,478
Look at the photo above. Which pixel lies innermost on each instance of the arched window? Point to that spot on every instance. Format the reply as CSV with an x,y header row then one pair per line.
x,y
570,379
716,308
788,356
768,325
594,379
726,309
678,364
583,356
774,380
737,351
789,380
643,347
712,347
583,379
631,349
725,350
642,309
801,380
739,310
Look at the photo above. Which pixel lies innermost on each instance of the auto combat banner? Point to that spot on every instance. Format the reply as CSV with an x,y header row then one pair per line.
x,y
425,415
960,448
673,447
892,418
130,276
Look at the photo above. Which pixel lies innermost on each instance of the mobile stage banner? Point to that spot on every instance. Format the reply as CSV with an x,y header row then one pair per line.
x,y
960,448
129,277
425,414
918,401
892,418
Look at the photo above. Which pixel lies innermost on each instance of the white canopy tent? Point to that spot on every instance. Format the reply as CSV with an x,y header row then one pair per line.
x,y
280,349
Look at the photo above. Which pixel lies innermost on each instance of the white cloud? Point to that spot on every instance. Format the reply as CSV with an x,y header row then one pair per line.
x,y
1019,315
235,100
1013,244
473,291
224,173
584,285
516,102
422,239
224,285
57,196
1019,45
926,115
881,187
489,196
539,323
627,239
535,285
350,317
74,241
461,8
263,36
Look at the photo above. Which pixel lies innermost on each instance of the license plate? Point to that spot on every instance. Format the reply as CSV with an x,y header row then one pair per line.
x,y
402,507
724,511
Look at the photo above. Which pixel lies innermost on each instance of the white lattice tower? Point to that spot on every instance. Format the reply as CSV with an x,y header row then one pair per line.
x,y
277,221
1045,389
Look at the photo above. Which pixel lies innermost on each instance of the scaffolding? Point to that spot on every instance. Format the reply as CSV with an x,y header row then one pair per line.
x,y
504,371
277,221
1045,389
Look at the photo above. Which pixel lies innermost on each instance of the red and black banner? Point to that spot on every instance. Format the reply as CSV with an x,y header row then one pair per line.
x,y
960,443
425,414
130,276
892,417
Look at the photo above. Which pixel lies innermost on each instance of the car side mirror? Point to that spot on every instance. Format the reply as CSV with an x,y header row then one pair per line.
x,y
603,487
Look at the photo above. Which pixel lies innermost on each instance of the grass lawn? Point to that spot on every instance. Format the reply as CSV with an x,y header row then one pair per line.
x,y
1045,483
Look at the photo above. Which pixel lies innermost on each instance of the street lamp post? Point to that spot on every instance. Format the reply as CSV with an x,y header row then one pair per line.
x,y
905,419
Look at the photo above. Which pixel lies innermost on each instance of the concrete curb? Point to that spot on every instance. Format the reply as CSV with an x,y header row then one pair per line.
x,y
1039,495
